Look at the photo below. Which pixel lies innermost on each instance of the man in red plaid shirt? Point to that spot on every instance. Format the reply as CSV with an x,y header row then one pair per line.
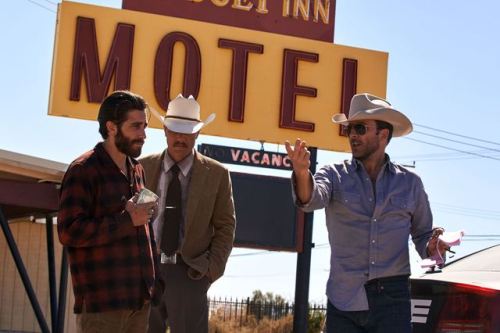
x,y
109,240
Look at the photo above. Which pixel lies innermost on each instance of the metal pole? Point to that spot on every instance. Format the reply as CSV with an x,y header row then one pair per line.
x,y
301,307
52,271
24,274
63,290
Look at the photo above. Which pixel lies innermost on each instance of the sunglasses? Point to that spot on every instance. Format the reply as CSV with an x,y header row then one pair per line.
x,y
360,129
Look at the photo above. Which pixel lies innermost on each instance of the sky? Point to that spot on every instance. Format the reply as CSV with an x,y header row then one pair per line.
x,y
444,64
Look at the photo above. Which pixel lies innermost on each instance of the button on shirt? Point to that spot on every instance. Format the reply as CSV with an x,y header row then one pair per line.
x,y
369,225
184,176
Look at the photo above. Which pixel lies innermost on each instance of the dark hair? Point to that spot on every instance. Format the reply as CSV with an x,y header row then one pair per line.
x,y
384,125
115,108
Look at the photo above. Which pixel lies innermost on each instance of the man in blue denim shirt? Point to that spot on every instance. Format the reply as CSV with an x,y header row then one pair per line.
x,y
372,207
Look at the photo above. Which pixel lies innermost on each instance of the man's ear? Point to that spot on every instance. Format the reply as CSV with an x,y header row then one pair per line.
x,y
384,134
112,128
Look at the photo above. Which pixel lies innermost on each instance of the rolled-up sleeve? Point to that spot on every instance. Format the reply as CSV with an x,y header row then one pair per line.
x,y
321,191
421,223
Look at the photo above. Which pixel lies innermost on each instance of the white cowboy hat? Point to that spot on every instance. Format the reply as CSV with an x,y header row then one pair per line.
x,y
183,115
366,106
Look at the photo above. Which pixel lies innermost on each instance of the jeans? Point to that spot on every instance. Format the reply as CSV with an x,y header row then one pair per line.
x,y
389,310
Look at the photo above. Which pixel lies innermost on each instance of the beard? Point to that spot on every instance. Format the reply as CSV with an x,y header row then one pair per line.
x,y
365,151
126,146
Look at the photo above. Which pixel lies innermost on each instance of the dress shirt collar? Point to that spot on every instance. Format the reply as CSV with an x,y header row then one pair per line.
x,y
184,165
355,164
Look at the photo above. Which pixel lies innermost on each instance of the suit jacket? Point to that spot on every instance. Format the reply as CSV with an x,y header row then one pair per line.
x,y
210,217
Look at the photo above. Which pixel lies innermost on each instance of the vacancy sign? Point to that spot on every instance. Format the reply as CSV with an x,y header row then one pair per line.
x,y
263,86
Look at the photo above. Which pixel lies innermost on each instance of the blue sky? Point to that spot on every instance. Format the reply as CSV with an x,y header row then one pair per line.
x,y
444,64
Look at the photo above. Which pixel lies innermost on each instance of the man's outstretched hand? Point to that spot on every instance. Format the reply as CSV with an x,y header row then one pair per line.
x,y
300,157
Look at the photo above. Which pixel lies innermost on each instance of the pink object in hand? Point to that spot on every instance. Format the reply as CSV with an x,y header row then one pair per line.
x,y
450,239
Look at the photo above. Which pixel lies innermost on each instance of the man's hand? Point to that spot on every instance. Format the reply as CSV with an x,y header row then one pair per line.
x,y
434,245
140,213
300,157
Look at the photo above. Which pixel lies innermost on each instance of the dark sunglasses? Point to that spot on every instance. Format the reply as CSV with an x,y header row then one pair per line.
x,y
360,129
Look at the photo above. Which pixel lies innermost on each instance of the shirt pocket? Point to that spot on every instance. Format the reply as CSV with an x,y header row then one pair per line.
x,y
347,201
399,208
402,203
399,202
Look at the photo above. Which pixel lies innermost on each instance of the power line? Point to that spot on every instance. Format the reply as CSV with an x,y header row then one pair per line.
x,y
459,135
482,236
469,215
42,6
466,237
453,149
482,240
482,153
438,159
470,212
51,2
478,210
440,156
433,155
457,141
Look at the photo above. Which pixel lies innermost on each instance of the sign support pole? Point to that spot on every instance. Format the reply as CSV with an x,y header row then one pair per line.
x,y
23,273
301,307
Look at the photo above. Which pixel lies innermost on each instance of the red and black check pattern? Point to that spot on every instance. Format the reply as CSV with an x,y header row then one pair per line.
x,y
111,261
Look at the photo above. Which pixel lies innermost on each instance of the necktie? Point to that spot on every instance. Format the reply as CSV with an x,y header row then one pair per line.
x,y
173,214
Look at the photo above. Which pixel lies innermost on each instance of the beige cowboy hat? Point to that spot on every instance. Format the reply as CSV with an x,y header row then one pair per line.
x,y
183,115
365,107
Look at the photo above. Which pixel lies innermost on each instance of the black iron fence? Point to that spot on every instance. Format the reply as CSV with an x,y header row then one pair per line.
x,y
242,310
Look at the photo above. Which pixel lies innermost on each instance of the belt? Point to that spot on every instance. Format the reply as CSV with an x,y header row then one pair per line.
x,y
387,279
178,260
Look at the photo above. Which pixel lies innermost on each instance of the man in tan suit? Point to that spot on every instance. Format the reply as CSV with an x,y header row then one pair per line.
x,y
195,223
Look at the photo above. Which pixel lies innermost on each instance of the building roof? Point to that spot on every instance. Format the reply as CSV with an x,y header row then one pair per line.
x,y
29,185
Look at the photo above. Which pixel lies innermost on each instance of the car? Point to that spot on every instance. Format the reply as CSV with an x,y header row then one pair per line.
x,y
464,296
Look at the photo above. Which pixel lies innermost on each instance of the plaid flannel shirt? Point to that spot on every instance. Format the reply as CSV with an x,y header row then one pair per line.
x,y
111,260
